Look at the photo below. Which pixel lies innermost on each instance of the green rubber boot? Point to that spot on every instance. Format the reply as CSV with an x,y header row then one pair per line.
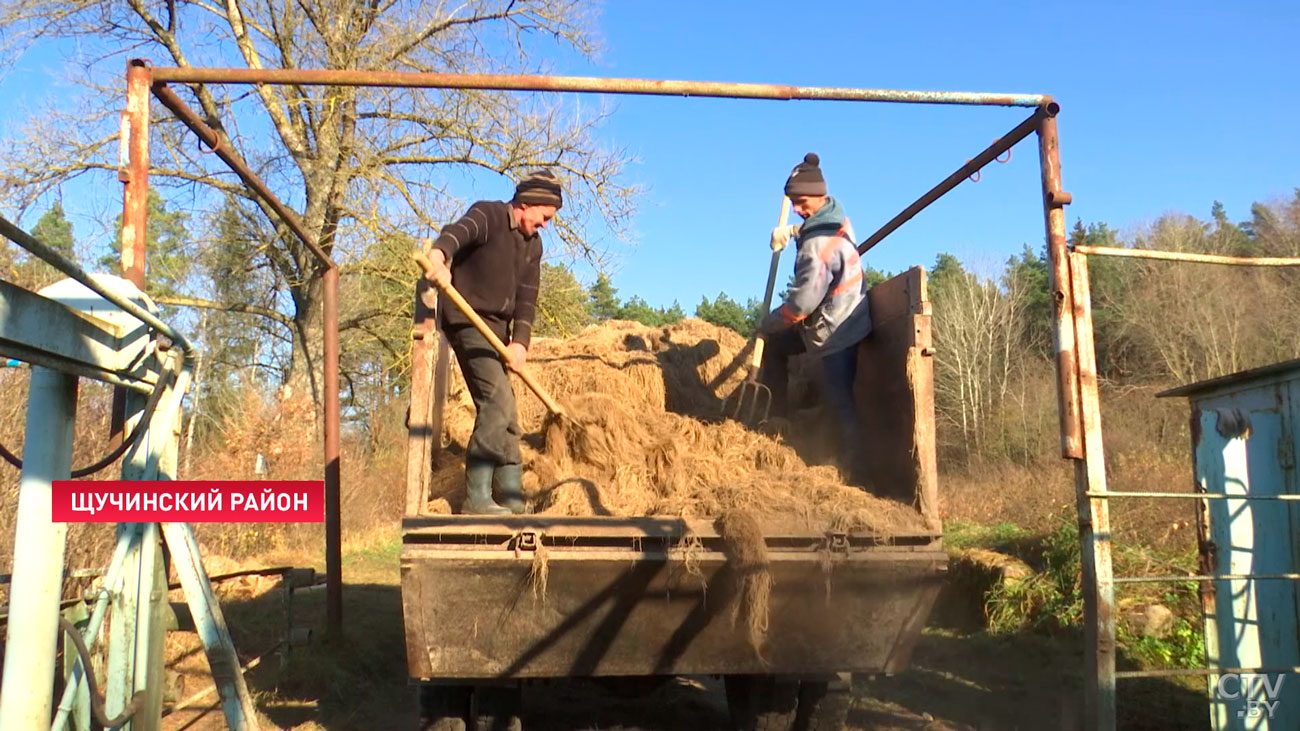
x,y
478,489
510,487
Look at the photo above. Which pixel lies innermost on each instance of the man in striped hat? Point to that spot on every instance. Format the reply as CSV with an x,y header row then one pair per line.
x,y
825,311
493,256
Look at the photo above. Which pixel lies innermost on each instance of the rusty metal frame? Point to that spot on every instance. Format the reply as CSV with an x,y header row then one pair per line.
x,y
141,78
1093,498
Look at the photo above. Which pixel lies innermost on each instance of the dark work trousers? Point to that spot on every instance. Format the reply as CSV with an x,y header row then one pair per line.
x,y
840,370
496,421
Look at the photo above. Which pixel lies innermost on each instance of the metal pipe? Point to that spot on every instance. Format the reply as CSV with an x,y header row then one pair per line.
x,y
32,635
584,84
133,171
999,146
135,198
1094,516
58,261
1177,672
1205,577
333,544
221,147
1190,496
1250,261
1067,380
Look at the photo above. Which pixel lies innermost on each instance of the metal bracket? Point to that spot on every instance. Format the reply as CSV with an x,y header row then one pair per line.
x,y
527,540
838,543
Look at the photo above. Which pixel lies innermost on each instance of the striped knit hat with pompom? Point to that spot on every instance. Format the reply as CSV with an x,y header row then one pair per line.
x,y
539,188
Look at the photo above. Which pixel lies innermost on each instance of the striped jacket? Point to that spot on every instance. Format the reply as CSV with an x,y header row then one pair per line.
x,y
496,269
827,300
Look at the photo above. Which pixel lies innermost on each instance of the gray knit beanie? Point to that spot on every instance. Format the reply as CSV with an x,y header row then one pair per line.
x,y
539,188
806,178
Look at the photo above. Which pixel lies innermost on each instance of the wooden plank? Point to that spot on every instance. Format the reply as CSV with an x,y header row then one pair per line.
x,y
420,431
888,407
903,294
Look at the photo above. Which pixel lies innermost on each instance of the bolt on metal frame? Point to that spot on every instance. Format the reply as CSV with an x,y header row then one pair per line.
x,y
1080,425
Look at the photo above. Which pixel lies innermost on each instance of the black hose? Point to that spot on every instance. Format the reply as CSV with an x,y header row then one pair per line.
x,y
140,428
97,705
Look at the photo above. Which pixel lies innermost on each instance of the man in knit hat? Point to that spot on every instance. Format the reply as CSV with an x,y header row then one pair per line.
x,y
493,256
825,310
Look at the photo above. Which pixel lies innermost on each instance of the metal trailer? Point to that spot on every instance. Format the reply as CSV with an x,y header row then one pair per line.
x,y
654,597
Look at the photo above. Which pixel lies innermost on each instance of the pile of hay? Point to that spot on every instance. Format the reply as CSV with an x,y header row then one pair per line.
x,y
652,442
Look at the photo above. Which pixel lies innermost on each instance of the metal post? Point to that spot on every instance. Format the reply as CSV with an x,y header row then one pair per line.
x,y
333,545
136,628
1067,381
211,626
37,583
134,174
1094,518
135,201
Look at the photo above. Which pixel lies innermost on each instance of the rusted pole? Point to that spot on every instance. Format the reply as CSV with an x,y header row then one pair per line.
x,y
999,146
1067,382
133,171
1094,518
333,524
135,174
585,84
330,284
1245,261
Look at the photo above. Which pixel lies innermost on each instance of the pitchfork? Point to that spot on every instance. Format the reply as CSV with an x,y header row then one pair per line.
x,y
753,400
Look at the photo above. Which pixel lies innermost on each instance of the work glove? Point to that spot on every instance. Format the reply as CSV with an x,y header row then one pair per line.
x,y
781,236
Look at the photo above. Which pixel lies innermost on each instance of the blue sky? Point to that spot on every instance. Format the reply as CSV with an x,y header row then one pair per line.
x,y
1166,106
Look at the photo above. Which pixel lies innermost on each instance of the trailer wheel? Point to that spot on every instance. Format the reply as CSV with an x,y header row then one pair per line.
x,y
823,705
443,707
762,702
495,708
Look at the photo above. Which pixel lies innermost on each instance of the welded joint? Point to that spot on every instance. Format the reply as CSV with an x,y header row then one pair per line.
x,y
1059,198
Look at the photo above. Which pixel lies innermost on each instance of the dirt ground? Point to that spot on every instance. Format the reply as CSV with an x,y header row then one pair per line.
x,y
958,679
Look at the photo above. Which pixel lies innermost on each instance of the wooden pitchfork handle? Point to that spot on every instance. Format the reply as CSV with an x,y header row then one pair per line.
x,y
756,358
451,293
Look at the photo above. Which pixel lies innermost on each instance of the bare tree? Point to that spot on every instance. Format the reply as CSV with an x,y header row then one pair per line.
x,y
977,330
362,165
1192,321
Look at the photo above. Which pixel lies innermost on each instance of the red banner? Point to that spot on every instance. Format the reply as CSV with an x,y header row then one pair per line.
x,y
194,501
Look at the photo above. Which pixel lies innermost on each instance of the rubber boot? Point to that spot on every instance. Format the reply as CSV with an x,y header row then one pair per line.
x,y
478,489
510,487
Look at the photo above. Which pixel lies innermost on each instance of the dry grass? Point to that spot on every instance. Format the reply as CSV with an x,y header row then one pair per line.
x,y
650,443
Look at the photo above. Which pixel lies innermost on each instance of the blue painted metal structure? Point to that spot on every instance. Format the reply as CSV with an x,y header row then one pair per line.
x,y
1246,434
104,328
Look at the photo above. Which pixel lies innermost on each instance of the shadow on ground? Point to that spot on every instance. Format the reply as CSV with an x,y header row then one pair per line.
x,y
957,680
